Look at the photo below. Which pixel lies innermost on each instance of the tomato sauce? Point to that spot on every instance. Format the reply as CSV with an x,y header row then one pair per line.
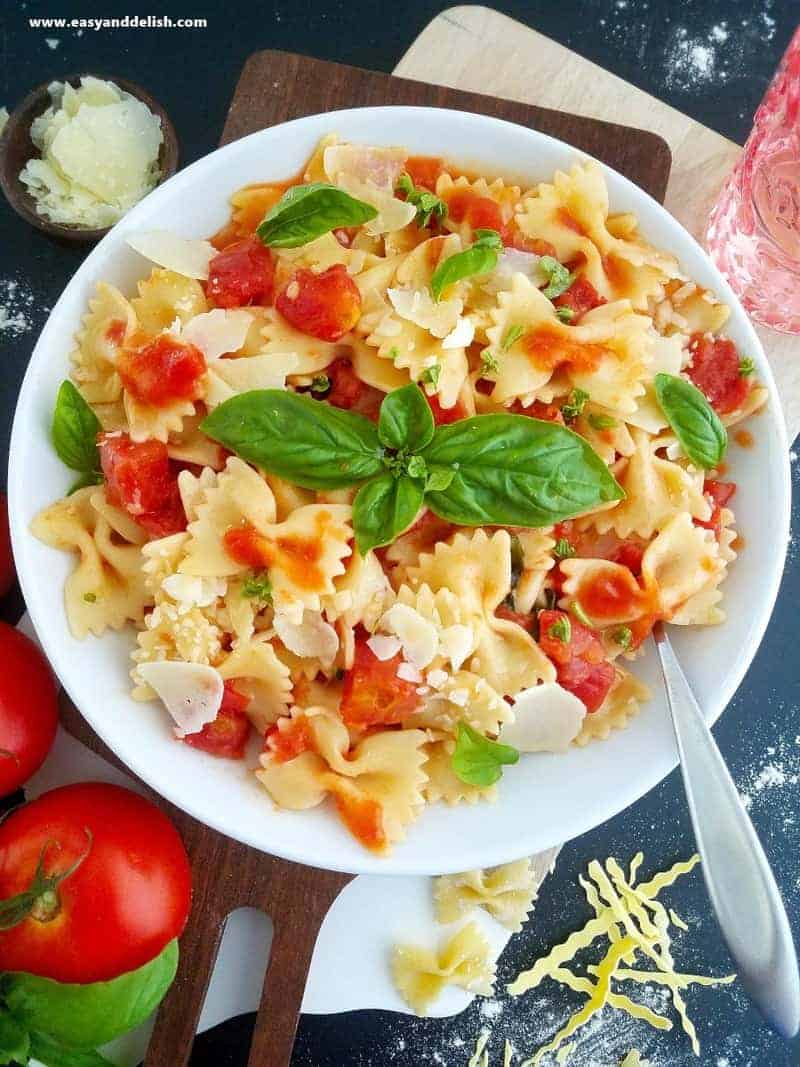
x,y
744,439
363,817
289,740
297,556
548,350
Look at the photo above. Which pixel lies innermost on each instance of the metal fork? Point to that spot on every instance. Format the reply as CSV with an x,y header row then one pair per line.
x,y
739,880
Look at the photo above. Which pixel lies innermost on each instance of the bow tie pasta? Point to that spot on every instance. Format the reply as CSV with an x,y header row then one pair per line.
x,y
354,585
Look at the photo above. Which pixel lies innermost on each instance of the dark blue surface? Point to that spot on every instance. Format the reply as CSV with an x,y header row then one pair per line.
x,y
193,73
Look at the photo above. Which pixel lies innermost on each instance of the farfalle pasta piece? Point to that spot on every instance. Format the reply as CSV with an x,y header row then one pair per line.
x,y
280,339
623,703
107,326
376,784
262,677
477,568
320,254
362,595
166,296
146,422
420,974
229,377
571,213
536,548
106,589
656,489
443,783
507,893
463,697
507,198
190,445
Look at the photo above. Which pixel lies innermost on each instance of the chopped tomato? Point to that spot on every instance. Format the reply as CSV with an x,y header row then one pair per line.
x,y
479,212
538,410
346,387
641,629
514,238
523,619
115,332
373,694
227,735
362,815
715,371
162,371
443,416
565,531
580,298
325,305
242,274
141,479
718,493
581,666
424,171
288,739
629,554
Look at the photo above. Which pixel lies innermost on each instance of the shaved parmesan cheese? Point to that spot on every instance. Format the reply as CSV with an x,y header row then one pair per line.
x,y
547,719
461,336
419,307
217,332
383,647
370,174
191,692
409,673
182,255
312,637
456,643
99,154
437,679
194,592
417,635
511,261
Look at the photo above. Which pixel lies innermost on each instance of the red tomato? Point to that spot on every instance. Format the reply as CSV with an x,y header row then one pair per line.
x,y
523,619
141,479
346,387
242,274
28,709
162,371
227,735
424,171
288,739
127,898
479,212
372,693
718,493
629,554
715,371
325,305
538,410
443,416
7,572
581,666
537,245
580,298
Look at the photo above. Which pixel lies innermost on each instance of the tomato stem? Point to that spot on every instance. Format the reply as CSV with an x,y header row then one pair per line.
x,y
40,901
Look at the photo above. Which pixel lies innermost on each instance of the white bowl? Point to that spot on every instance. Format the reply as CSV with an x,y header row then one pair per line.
x,y
544,800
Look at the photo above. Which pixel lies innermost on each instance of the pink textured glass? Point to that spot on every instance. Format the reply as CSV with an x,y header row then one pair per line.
x,y
753,233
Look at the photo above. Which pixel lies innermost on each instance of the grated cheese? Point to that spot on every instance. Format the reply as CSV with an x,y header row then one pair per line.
x,y
99,154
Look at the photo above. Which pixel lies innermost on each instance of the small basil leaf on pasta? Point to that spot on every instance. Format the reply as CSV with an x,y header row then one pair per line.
x,y
511,470
428,204
75,429
477,760
307,442
559,279
480,258
406,419
306,212
383,508
697,426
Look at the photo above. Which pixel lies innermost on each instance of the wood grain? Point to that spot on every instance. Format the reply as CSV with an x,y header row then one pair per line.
x,y
460,47
297,85
273,88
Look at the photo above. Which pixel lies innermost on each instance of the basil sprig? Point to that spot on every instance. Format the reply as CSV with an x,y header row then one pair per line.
x,y
559,278
697,426
74,432
60,1023
428,204
501,469
479,258
477,760
306,212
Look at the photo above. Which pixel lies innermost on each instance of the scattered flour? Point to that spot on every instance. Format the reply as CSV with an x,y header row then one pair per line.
x,y
52,43
780,768
18,308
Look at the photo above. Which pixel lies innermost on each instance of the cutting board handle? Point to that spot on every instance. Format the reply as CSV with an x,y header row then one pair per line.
x,y
227,875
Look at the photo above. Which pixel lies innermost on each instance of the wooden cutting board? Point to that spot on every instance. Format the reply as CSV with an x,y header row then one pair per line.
x,y
273,88
461,46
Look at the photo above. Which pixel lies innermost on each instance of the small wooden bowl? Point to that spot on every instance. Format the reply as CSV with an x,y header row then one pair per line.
x,y
16,148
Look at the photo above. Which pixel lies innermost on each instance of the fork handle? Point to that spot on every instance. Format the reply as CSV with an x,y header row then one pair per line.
x,y
740,882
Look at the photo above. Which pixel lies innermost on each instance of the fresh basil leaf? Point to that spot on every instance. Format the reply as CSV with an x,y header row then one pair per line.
x,y
90,478
51,1053
480,258
513,334
601,422
747,366
489,362
477,760
383,508
430,376
406,419
427,203
15,1042
697,426
75,429
559,279
416,467
307,442
574,404
306,212
86,1016
512,470
439,479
